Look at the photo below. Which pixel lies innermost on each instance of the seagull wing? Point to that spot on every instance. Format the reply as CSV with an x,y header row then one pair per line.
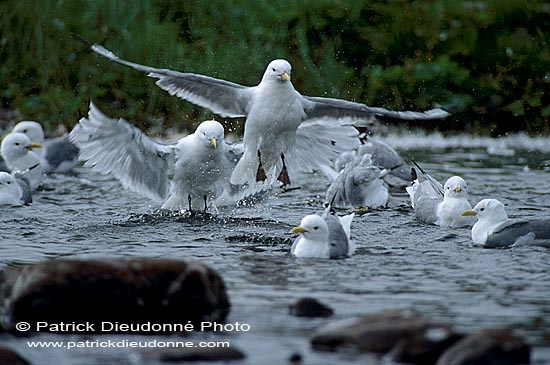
x,y
116,147
528,232
222,97
317,107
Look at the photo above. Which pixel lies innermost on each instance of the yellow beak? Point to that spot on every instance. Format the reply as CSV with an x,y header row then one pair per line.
x,y
298,230
214,142
457,189
467,213
285,76
34,145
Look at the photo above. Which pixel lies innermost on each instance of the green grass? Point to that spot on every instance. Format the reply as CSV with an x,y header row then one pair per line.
x,y
489,60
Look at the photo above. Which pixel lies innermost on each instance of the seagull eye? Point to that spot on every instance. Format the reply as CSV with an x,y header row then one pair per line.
x,y
315,228
274,69
24,131
17,143
8,182
482,209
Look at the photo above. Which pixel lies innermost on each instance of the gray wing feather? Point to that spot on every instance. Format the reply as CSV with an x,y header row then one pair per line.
x,y
117,147
222,97
508,235
386,157
318,107
26,191
59,150
338,241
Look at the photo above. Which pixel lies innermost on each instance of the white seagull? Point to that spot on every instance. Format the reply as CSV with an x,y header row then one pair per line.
x,y
190,174
10,192
440,205
493,228
58,154
16,152
328,236
273,109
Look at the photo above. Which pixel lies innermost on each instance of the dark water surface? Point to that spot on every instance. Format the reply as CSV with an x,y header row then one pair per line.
x,y
399,263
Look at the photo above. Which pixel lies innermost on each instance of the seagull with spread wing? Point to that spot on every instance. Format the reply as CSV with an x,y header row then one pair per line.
x,y
273,109
192,173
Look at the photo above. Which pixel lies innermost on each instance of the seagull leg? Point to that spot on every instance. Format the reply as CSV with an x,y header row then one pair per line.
x,y
205,204
283,176
260,174
189,201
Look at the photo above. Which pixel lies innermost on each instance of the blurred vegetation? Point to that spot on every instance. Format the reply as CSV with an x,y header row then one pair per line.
x,y
488,60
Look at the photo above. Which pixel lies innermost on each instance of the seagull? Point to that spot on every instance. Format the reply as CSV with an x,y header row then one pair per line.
x,y
191,174
273,109
10,192
16,152
385,157
327,236
494,230
359,184
58,154
440,205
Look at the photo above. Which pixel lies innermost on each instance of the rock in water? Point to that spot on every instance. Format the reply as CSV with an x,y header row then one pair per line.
x,y
487,347
9,357
310,307
127,291
386,331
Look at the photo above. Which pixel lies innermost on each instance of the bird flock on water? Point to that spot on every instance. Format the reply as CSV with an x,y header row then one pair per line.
x,y
286,134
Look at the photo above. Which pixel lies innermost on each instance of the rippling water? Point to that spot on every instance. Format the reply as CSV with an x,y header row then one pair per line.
x,y
399,263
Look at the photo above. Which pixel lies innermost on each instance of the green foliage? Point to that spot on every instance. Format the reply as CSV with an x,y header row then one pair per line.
x,y
488,60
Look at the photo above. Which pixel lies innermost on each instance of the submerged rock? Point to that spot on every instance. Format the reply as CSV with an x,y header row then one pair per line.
x,y
411,337
127,291
192,354
487,347
310,307
10,357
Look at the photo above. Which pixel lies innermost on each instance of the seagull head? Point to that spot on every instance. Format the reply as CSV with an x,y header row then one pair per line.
x,y
16,145
33,130
455,187
279,70
489,210
312,227
210,133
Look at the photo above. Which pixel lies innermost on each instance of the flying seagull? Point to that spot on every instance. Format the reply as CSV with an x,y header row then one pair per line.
x,y
493,228
192,173
273,109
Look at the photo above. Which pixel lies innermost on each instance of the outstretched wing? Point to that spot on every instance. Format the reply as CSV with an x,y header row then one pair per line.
x,y
116,147
318,107
222,97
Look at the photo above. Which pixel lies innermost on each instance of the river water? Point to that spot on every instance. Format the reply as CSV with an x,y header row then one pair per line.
x,y
399,263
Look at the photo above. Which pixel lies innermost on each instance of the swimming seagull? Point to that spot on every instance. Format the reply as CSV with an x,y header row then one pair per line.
x,y
16,152
10,192
190,174
273,109
58,154
441,205
326,236
358,184
494,230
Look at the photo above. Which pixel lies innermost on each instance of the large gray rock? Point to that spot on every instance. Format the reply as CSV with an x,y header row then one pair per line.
x,y
410,337
127,291
487,347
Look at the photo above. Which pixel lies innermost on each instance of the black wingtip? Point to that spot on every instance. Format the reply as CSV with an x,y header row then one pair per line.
x,y
78,37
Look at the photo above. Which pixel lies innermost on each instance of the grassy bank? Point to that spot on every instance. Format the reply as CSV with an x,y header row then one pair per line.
x,y
489,60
